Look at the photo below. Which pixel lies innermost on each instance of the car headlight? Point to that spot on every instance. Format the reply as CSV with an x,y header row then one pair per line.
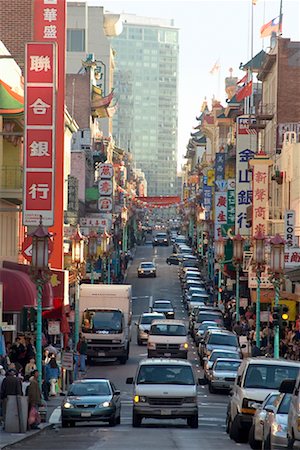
x,y
106,404
141,271
247,407
68,405
184,346
151,345
139,399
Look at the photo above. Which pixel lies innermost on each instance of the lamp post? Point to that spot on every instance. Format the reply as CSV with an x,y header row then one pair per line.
x,y
220,253
105,238
237,259
92,251
277,269
77,261
39,272
259,263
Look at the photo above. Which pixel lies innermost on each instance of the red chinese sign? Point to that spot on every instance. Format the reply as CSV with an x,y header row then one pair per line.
x,y
260,194
220,212
50,26
106,170
39,151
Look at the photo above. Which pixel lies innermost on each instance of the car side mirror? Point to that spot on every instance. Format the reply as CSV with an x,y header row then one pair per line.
x,y
270,408
205,358
117,393
243,346
129,380
255,405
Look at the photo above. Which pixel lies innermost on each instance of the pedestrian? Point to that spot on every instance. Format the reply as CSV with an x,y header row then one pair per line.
x,y
82,354
34,401
30,366
238,329
52,374
11,385
255,351
30,350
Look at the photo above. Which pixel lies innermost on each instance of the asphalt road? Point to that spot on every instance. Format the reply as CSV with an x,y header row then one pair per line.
x,y
172,434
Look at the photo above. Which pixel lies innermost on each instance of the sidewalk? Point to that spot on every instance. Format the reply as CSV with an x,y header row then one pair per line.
x,y
7,439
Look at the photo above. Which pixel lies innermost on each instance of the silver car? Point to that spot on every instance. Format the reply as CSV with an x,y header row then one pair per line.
x,y
223,373
144,324
215,354
275,423
256,430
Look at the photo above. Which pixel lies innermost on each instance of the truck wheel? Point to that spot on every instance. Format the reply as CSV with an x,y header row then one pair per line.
x,y
254,444
64,423
236,433
193,421
136,420
123,359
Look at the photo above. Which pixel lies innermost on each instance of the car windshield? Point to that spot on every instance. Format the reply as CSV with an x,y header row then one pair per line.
x,y
227,365
223,339
285,404
168,374
160,305
168,330
203,316
216,355
146,320
102,322
89,389
147,266
206,326
161,236
269,376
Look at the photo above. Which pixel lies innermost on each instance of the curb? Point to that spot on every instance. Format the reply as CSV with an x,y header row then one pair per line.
x,y
26,437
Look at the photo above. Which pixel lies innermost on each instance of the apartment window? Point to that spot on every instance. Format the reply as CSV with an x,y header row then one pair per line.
x,y
75,40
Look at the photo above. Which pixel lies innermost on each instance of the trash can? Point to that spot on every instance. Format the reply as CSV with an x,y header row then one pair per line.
x,y
16,414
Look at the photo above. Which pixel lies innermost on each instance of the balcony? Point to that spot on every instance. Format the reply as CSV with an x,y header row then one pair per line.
x,y
11,183
265,111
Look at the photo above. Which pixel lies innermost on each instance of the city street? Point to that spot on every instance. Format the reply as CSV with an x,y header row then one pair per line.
x,y
160,434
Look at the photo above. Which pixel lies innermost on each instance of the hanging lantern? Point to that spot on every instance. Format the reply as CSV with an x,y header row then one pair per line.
x,y
259,249
40,248
220,249
77,247
238,242
277,254
92,245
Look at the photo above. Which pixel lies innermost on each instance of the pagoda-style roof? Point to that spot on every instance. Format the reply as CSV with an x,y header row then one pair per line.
x,y
255,64
11,103
102,106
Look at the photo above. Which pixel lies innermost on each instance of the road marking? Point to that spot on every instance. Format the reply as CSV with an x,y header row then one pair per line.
x,y
55,416
140,296
150,301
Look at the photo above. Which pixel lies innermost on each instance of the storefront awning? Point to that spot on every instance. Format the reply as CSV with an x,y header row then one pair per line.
x,y
268,296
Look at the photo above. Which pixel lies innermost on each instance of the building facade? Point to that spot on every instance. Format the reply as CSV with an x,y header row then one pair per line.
x,y
146,80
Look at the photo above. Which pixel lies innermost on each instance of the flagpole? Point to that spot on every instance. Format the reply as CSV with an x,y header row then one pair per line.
x,y
280,19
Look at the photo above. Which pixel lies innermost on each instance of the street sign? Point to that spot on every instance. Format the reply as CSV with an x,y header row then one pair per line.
x,y
53,327
27,248
67,360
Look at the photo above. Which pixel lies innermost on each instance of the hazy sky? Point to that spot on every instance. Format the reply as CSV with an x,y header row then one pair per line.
x,y
210,30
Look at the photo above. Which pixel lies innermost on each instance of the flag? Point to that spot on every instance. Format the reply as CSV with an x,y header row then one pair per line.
x,y
243,80
245,91
271,27
215,68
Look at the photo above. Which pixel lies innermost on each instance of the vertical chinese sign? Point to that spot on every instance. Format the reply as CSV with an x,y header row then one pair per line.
x,y
246,144
260,200
220,212
231,204
105,186
39,149
50,26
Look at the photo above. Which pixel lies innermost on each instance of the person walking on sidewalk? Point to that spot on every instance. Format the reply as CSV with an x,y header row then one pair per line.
x,y
11,385
34,401
52,373
82,348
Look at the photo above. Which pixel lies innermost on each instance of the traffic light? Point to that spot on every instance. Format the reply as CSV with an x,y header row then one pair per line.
x,y
276,315
284,315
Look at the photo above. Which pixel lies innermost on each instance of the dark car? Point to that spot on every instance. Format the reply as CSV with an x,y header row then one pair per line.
x,y
174,259
164,306
91,400
160,239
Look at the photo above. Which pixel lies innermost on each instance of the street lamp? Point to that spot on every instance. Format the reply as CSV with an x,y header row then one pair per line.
x,y
220,254
39,273
237,260
92,251
77,261
105,250
277,269
259,263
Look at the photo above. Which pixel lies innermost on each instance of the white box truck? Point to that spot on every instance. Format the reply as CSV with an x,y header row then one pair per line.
x,y
105,311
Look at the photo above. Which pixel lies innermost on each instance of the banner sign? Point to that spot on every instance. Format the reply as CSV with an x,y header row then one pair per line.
x,y
230,207
39,148
260,200
289,228
245,150
220,166
292,257
220,212
103,221
207,201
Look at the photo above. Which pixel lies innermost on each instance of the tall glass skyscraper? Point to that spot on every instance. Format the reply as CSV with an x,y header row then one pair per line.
x,y
146,82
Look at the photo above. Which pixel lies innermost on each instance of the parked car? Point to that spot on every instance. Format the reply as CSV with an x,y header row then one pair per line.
x,y
144,323
204,315
256,430
146,269
164,389
168,338
219,340
202,328
275,422
256,378
174,259
164,306
91,400
223,373
293,431
215,354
